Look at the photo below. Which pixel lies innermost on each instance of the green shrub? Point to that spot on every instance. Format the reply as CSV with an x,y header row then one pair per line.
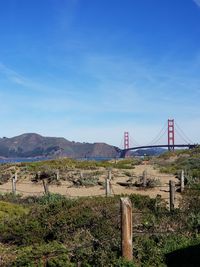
x,y
52,255
11,210
10,197
57,231
145,203
86,181
50,198
4,178
151,183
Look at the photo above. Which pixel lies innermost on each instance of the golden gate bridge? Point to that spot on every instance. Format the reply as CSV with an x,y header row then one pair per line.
x,y
170,129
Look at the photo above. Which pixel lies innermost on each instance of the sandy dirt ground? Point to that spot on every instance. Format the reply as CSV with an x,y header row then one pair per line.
x,y
27,188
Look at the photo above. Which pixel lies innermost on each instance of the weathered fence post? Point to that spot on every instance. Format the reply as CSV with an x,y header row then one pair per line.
x,y
171,195
15,176
182,180
57,175
109,174
46,187
14,185
107,185
144,177
126,229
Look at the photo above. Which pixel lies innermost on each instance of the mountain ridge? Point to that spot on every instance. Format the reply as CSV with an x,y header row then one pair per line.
x,y
36,145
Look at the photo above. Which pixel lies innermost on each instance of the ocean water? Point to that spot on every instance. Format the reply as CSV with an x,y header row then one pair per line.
x,y
18,160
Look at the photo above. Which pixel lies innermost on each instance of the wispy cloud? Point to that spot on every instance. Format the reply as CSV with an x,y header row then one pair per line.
x,y
12,75
136,86
197,2
16,78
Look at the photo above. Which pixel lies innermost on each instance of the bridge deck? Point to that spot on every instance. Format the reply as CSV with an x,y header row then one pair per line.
x,y
124,151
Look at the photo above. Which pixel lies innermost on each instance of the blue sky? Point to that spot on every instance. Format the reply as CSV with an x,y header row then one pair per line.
x,y
88,70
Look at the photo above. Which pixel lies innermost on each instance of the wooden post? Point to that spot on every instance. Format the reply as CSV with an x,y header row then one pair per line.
x,y
109,175
46,188
171,195
15,176
57,175
144,182
182,181
38,175
107,182
81,174
107,186
126,229
13,185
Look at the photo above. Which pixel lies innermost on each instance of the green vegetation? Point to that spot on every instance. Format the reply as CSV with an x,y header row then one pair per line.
x,y
4,177
86,181
64,164
55,231
8,210
187,160
67,163
153,182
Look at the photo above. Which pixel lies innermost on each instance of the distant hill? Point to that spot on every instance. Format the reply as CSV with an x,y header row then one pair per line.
x,y
148,152
35,145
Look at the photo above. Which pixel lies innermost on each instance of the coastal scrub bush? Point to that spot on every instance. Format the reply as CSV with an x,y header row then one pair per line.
x,y
11,210
56,231
4,178
153,182
86,181
51,254
51,198
10,197
147,204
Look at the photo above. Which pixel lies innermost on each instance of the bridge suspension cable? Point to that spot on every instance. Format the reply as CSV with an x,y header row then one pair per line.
x,y
163,134
181,133
133,142
157,138
121,142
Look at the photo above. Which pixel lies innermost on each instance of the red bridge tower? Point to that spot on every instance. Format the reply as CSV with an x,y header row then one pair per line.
x,y
126,140
171,135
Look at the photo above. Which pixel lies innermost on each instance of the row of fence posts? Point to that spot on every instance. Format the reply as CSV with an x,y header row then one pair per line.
x,y
108,190
46,185
172,187
44,182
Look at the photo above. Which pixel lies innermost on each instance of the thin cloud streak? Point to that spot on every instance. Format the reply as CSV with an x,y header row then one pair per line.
x,y
127,84
18,79
197,2
12,75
